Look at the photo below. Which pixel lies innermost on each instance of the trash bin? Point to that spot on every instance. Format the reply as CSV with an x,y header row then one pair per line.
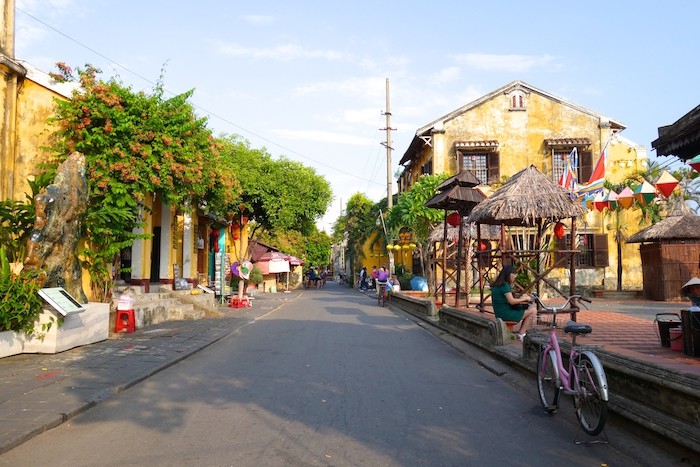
x,y
666,321
690,323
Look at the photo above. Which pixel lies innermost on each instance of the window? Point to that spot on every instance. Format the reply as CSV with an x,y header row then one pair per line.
x,y
593,250
517,100
427,168
560,155
485,165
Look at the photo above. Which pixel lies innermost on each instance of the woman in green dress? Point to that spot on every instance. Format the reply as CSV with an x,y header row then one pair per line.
x,y
509,308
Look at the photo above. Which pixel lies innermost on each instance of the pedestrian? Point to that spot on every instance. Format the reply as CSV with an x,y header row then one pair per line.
x,y
507,307
363,278
374,277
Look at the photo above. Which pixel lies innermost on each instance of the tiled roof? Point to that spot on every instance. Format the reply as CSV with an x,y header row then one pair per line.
x,y
567,142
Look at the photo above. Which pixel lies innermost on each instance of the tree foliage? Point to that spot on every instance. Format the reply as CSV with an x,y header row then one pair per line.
x,y
278,194
356,224
135,145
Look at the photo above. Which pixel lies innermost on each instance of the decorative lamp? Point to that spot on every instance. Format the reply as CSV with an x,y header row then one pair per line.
x,y
484,245
412,245
397,247
454,219
406,247
644,193
695,163
559,230
599,202
626,198
389,246
611,200
666,183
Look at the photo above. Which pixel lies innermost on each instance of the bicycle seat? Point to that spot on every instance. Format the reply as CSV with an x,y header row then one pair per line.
x,y
577,328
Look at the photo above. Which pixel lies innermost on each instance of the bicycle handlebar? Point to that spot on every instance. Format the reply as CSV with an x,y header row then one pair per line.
x,y
556,309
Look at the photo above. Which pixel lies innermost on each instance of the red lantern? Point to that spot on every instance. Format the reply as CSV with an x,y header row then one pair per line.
x,y
559,230
454,219
236,236
483,245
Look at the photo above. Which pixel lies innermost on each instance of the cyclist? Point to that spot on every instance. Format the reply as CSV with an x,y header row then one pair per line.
x,y
382,278
509,308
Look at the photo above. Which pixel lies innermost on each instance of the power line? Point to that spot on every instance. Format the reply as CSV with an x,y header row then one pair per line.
x,y
223,119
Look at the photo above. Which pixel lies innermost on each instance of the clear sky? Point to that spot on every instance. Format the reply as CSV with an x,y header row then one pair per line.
x,y
306,79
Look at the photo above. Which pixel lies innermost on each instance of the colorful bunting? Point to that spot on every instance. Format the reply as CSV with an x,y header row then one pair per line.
x,y
695,163
666,184
626,198
644,193
599,201
611,200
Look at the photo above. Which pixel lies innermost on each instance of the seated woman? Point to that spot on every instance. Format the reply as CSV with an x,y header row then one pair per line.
x,y
509,308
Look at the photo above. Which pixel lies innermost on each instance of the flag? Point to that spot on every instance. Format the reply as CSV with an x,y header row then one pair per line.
x,y
595,183
568,178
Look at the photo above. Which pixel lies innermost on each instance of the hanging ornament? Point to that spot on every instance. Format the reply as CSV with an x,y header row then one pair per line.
x,y
611,200
588,201
454,219
244,269
559,231
666,183
599,202
644,193
695,163
626,198
483,245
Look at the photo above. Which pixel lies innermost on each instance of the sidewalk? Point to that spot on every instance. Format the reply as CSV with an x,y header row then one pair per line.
x,y
41,391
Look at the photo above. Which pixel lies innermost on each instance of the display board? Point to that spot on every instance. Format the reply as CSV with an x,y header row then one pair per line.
x,y
61,300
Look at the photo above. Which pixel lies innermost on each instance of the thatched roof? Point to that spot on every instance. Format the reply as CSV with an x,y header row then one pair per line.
x,y
457,198
464,178
488,232
526,198
681,224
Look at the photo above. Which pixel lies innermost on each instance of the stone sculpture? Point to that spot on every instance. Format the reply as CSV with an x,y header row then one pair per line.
x,y
52,246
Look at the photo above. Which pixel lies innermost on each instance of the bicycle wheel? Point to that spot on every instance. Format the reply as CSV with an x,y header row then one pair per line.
x,y
591,408
548,380
382,296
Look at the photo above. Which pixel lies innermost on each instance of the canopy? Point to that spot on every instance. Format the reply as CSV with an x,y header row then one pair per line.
x,y
273,262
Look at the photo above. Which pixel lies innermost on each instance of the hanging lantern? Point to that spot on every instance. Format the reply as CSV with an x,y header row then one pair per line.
x,y
559,230
406,247
626,198
397,247
412,245
588,201
611,200
389,246
236,236
695,163
666,183
454,219
483,245
644,193
599,202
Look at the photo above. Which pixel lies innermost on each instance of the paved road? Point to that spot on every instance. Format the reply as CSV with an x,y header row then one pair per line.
x,y
327,379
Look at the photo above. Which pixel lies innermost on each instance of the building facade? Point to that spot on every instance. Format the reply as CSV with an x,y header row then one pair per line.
x,y
518,125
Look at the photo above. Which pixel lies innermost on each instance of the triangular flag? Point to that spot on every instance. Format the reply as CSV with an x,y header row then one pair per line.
x,y
644,193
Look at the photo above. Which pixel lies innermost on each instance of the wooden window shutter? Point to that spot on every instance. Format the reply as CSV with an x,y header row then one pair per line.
x,y
494,167
600,251
586,166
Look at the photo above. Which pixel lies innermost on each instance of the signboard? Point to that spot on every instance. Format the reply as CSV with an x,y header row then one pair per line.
x,y
61,300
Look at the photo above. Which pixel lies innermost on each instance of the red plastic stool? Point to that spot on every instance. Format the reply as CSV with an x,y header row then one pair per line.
x,y
243,303
126,321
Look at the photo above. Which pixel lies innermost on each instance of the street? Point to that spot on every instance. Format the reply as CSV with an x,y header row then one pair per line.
x,y
328,379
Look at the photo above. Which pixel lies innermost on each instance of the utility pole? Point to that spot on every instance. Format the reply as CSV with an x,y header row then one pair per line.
x,y
388,129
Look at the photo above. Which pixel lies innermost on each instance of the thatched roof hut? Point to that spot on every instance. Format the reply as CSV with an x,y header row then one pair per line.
x,y
681,224
669,251
529,196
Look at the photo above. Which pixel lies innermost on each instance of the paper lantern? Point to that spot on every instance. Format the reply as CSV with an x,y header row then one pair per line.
x,y
626,198
695,163
390,246
559,230
666,183
599,202
397,247
454,219
611,200
483,245
236,236
644,193
412,245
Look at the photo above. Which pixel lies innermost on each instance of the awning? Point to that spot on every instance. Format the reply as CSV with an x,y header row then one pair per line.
x,y
273,262
567,142
484,145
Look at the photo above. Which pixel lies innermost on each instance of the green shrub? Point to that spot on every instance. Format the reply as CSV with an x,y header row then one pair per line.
x,y
20,303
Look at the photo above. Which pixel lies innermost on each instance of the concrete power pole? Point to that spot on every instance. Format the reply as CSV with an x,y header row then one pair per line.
x,y
388,129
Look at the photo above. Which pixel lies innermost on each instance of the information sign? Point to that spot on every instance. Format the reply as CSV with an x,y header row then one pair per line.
x,y
61,300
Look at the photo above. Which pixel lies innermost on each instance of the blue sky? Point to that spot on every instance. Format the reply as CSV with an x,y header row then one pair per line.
x,y
306,79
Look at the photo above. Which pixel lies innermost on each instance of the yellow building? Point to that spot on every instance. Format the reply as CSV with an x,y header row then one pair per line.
x,y
519,125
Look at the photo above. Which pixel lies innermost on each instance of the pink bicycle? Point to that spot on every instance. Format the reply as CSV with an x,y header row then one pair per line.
x,y
584,377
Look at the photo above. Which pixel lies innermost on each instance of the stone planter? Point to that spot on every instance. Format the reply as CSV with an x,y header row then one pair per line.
x,y
11,343
88,327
